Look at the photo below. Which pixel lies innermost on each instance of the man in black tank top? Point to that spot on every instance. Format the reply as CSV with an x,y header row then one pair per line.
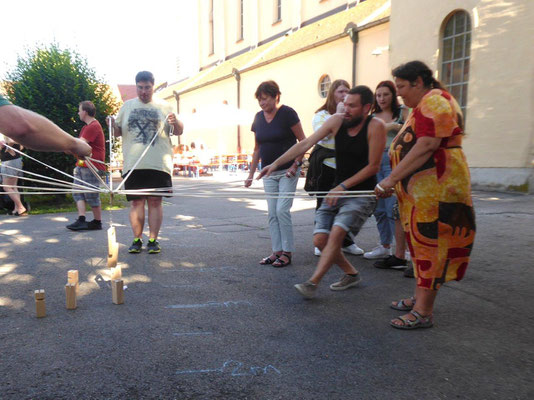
x,y
360,141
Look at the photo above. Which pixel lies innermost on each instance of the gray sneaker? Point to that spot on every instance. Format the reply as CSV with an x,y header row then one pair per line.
x,y
346,282
306,289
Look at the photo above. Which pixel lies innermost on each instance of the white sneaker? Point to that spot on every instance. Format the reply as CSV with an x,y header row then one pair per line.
x,y
317,252
353,249
378,252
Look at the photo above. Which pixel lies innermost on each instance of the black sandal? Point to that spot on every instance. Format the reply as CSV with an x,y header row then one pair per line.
x,y
279,263
269,260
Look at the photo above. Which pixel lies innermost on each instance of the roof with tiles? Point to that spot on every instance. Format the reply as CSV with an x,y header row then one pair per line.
x,y
320,32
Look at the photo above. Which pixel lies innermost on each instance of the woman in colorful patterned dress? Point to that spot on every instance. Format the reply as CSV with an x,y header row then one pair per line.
x,y
431,179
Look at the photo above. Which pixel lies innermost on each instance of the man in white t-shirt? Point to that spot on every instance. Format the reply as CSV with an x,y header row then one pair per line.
x,y
139,121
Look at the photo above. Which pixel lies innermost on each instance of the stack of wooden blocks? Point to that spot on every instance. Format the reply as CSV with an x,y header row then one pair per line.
x,y
71,288
117,284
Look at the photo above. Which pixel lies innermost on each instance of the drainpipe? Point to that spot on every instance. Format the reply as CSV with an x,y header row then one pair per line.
x,y
177,98
352,31
237,77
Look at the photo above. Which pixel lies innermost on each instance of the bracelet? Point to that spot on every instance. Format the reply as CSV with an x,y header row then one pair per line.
x,y
380,188
343,186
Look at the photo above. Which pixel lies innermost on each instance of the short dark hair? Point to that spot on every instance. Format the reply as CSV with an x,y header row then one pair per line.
x,y
414,69
366,94
270,88
144,76
88,107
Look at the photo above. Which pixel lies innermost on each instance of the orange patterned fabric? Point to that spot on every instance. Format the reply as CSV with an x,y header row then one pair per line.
x,y
435,201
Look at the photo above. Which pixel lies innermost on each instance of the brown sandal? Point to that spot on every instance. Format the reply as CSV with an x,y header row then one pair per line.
x,y
279,263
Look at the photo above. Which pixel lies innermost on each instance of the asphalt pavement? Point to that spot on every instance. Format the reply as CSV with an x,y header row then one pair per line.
x,y
202,320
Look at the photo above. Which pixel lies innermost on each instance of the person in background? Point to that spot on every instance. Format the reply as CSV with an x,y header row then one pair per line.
x,y
11,170
138,121
386,107
323,156
276,128
360,140
430,177
93,134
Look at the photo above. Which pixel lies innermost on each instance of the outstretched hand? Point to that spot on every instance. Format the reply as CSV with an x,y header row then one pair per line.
x,y
266,171
79,148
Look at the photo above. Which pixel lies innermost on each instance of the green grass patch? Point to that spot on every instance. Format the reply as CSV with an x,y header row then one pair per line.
x,y
50,204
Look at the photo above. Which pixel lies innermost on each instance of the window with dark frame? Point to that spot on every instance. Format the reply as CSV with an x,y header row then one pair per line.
x,y
211,31
277,11
455,56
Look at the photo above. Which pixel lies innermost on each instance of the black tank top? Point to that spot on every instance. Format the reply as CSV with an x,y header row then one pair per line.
x,y
352,155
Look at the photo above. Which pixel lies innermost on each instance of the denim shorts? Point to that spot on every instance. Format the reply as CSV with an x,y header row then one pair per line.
x,y
350,213
16,163
85,175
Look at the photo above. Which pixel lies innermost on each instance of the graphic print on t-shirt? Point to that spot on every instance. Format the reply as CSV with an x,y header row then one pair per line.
x,y
143,125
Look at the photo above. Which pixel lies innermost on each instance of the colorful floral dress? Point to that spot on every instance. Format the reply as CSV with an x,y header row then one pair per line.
x,y
435,200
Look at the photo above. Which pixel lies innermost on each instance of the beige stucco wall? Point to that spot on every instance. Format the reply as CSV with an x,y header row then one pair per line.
x,y
259,23
499,120
373,68
209,127
298,77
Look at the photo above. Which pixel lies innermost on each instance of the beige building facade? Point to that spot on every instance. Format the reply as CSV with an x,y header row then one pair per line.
x,y
500,84
481,48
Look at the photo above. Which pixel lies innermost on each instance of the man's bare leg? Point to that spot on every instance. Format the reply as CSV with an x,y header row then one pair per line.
x,y
80,205
155,215
137,216
97,213
331,253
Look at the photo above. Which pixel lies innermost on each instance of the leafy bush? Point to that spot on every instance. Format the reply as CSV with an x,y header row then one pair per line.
x,y
52,82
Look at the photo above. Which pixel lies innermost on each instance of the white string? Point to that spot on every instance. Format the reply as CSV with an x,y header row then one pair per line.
x,y
69,185
48,166
54,179
93,169
96,161
41,188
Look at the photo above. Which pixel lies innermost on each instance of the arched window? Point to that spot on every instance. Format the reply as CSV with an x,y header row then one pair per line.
x,y
456,51
324,85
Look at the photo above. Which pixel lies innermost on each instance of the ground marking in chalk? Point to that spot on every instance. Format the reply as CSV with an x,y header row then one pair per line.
x,y
236,370
226,304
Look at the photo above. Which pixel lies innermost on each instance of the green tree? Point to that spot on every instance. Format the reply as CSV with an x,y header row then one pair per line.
x,y
53,81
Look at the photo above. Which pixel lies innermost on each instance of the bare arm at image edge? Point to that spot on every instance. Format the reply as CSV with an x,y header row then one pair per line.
x,y
38,133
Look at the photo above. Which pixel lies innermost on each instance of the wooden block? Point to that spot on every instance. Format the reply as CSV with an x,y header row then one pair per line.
x,y
113,257
39,294
116,273
112,238
72,277
70,292
117,291
40,305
